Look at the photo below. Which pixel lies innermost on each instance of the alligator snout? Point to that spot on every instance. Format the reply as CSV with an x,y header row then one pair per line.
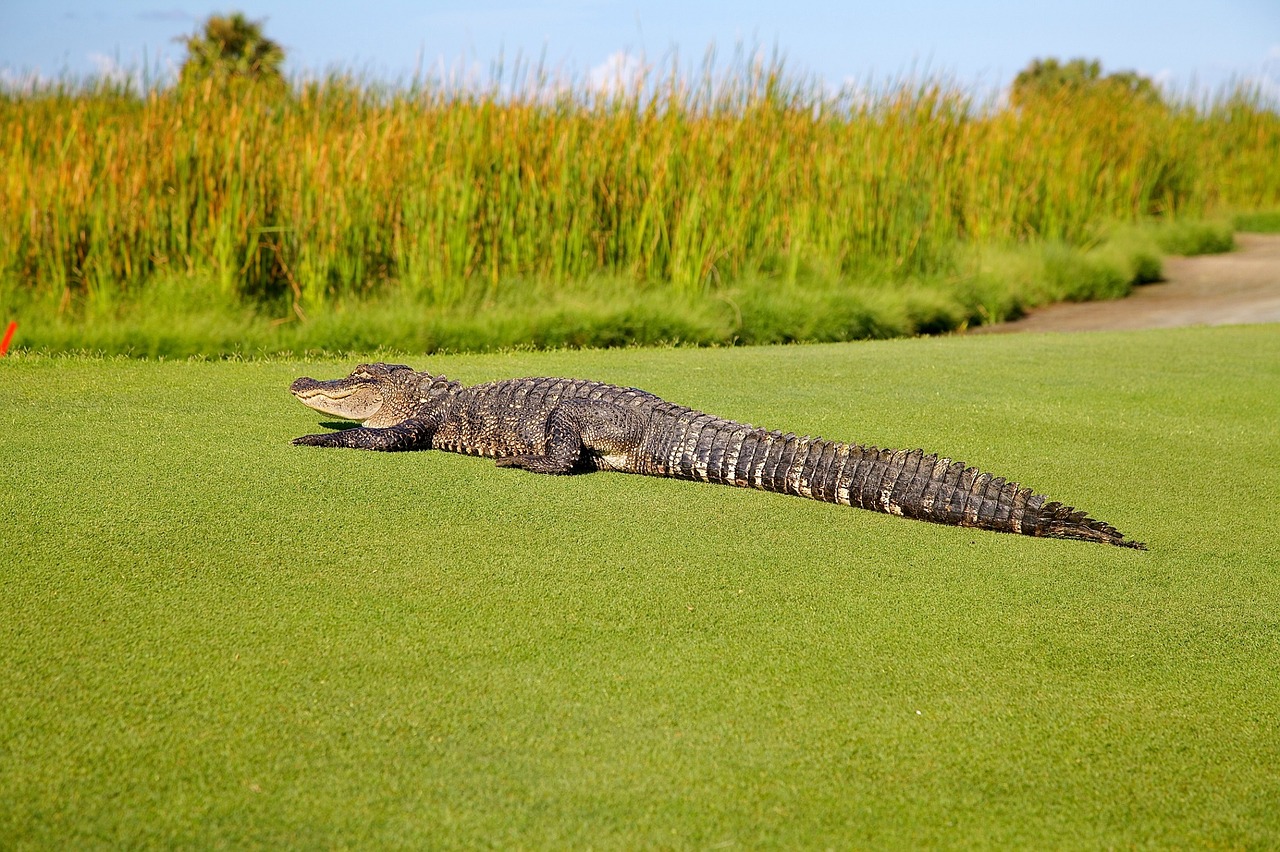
x,y
306,387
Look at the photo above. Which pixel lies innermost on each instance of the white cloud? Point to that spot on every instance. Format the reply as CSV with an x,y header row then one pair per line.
x,y
462,75
22,82
854,93
108,68
162,71
621,73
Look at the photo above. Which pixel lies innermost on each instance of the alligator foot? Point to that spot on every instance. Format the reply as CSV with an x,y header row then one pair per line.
x,y
409,435
317,440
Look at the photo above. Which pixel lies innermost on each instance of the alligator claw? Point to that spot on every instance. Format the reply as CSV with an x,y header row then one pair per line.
x,y
313,441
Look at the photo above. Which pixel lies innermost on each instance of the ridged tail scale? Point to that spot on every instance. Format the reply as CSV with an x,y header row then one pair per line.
x,y
899,482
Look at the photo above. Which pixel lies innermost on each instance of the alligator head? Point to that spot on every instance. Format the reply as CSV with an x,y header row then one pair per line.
x,y
379,395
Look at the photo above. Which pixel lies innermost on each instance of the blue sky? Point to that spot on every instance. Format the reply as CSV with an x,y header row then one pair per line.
x,y
979,44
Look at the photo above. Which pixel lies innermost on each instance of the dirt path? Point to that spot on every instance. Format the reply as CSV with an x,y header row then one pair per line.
x,y
1222,289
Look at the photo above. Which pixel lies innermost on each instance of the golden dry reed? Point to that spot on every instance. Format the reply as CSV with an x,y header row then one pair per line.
x,y
341,188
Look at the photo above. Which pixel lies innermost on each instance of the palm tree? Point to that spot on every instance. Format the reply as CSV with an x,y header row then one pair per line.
x,y
231,46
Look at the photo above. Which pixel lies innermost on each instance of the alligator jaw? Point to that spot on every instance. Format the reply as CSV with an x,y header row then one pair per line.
x,y
352,400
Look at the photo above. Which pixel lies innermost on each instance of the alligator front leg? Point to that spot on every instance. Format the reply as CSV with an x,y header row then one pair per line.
x,y
408,435
577,426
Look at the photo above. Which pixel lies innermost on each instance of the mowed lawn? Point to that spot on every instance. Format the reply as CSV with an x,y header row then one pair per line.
x,y
211,638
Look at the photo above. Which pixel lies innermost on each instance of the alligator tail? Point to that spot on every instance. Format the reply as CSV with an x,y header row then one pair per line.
x,y
910,483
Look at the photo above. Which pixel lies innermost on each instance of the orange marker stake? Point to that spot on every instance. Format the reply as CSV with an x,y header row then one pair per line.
x,y
8,336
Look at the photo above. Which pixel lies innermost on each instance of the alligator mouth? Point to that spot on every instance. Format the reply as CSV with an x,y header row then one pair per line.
x,y
340,398
309,388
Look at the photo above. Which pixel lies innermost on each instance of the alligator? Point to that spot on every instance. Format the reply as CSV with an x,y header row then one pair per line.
x,y
558,426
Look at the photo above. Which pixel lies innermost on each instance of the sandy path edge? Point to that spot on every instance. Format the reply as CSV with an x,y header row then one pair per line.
x,y
1239,287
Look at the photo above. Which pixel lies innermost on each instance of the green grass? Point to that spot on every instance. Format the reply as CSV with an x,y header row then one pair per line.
x,y
211,638
1266,222
988,284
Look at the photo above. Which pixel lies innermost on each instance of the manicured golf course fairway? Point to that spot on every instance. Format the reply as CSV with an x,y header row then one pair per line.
x,y
210,638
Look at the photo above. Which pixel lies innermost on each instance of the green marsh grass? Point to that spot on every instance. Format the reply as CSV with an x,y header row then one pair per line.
x,y
1267,222
215,639
989,284
460,201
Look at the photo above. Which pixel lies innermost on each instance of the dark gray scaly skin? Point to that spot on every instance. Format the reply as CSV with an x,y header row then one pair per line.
x,y
550,425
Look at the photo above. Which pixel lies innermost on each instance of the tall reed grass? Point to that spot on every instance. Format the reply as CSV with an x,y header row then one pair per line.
x,y
451,196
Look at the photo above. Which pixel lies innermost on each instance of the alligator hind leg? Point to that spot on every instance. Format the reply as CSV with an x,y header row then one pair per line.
x,y
583,426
